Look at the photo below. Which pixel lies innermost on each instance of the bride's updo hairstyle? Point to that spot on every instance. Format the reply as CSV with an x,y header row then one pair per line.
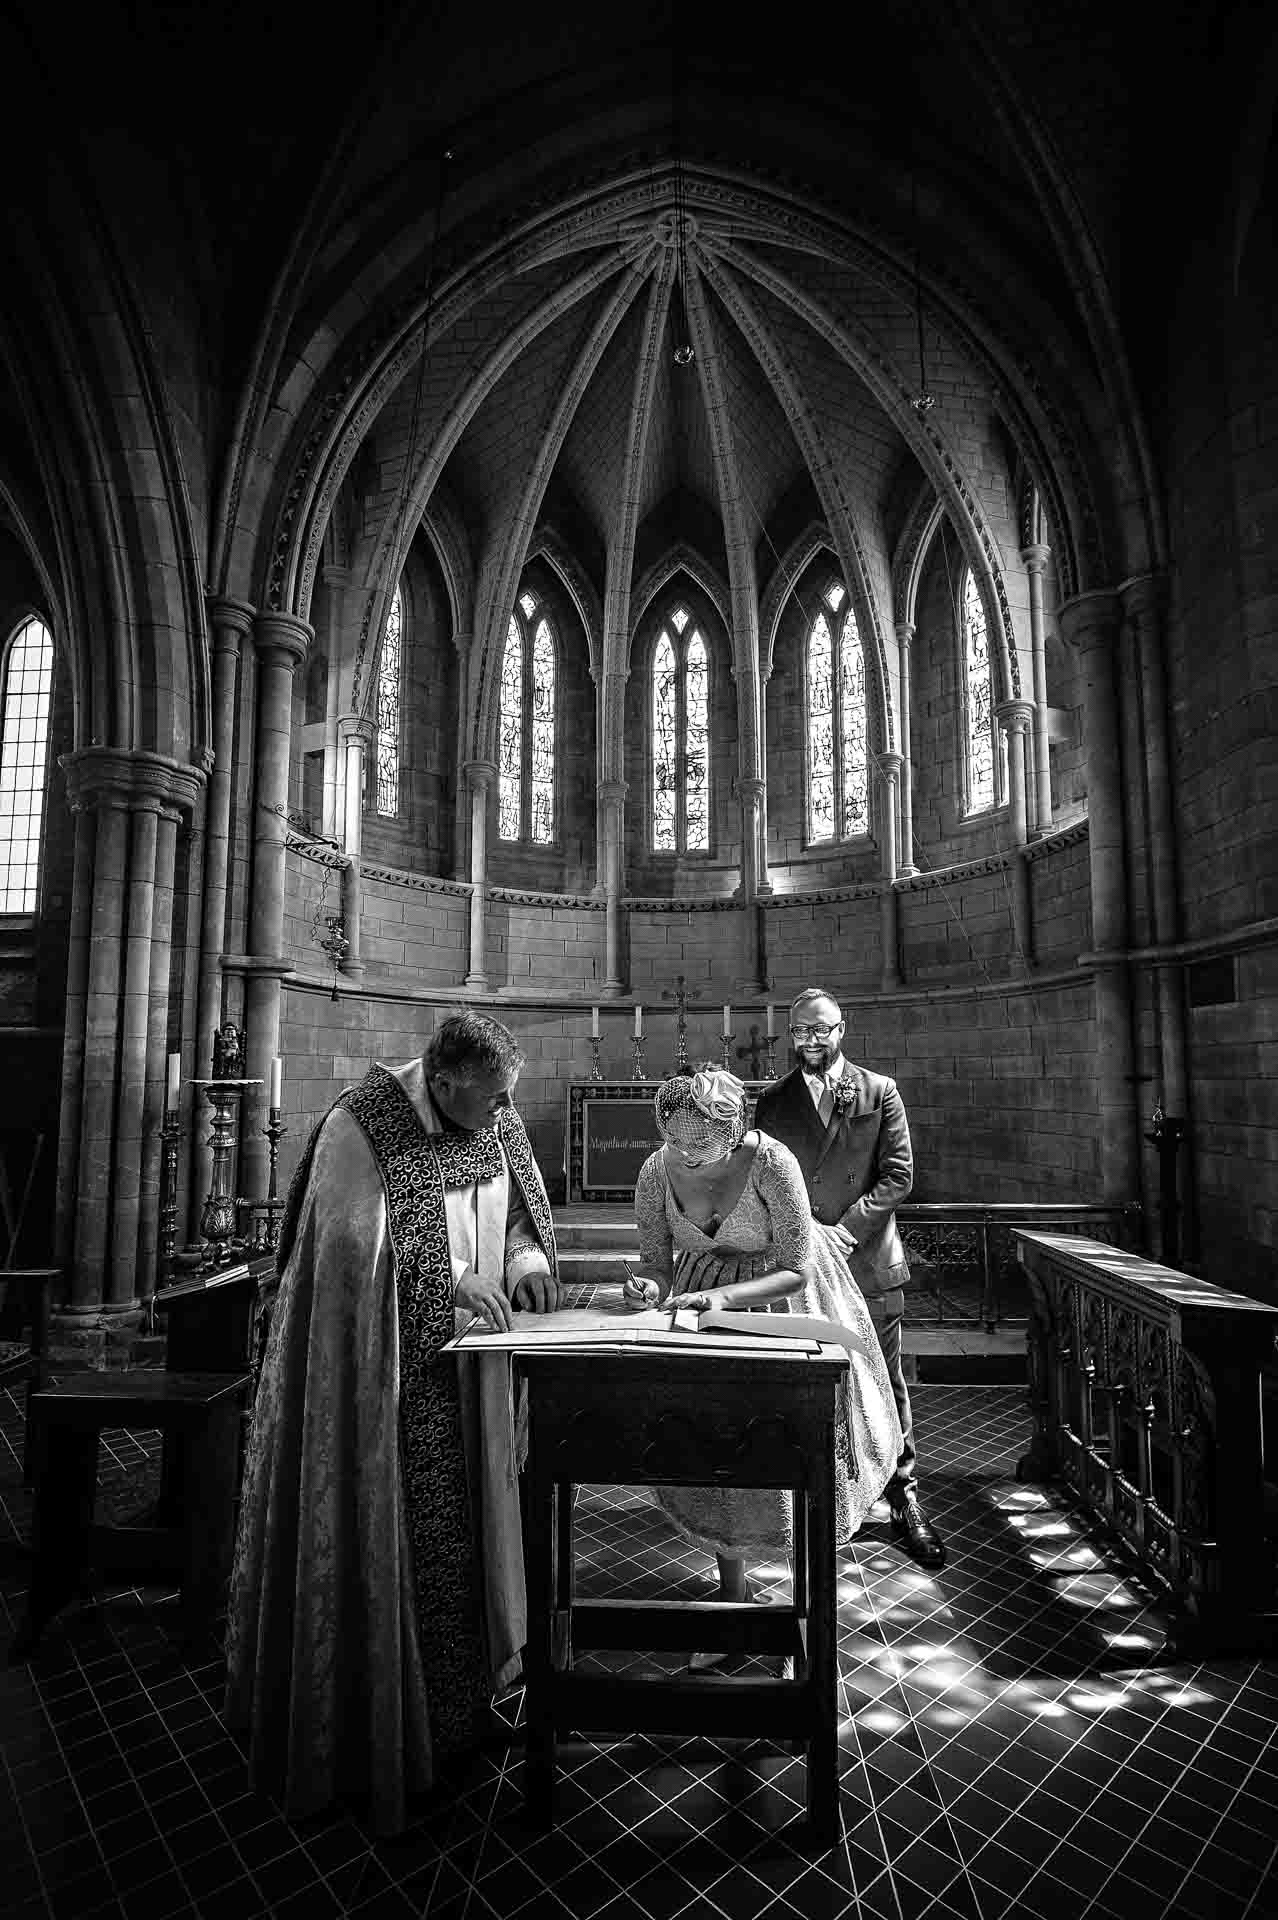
x,y
704,1109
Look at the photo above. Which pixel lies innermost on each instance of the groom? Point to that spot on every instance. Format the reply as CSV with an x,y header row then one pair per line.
x,y
847,1128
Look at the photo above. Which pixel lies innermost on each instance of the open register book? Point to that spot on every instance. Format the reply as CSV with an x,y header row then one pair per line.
x,y
664,1327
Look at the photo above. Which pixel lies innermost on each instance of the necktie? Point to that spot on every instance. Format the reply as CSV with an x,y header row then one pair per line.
x,y
826,1108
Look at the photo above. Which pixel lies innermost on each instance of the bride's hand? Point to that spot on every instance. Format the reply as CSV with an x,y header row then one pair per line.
x,y
638,1293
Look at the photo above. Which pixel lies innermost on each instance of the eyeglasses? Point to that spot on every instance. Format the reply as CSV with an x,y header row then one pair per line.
x,y
816,1033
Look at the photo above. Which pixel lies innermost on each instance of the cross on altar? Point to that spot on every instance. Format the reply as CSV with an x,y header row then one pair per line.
x,y
754,1048
682,999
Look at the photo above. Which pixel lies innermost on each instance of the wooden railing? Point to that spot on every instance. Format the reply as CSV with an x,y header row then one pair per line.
x,y
1146,1392
963,1264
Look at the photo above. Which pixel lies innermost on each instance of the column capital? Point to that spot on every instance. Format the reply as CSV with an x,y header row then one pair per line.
x,y
231,620
890,764
462,642
1144,596
356,730
129,778
480,773
336,573
612,792
1034,558
751,786
905,632
1014,715
283,634
1091,619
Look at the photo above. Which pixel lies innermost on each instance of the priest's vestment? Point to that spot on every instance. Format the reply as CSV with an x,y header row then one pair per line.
x,y
377,1598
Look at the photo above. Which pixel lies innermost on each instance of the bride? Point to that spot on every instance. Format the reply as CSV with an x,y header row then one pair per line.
x,y
724,1221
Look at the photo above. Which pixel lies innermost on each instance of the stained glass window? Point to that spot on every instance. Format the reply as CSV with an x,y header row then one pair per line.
x,y
526,728
978,703
838,751
389,682
23,751
510,744
680,738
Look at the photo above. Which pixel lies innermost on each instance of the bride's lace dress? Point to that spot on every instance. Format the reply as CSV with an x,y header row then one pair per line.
x,y
771,1226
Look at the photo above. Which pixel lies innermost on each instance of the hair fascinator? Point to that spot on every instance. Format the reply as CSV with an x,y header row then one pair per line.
x,y
705,1107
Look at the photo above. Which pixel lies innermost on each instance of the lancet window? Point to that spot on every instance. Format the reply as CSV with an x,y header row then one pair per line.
x,y
24,751
838,752
390,680
680,737
526,727
984,774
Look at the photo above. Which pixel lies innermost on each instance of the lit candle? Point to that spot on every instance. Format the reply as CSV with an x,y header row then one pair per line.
x,y
772,1021
638,1023
594,1023
727,1021
277,1081
174,1081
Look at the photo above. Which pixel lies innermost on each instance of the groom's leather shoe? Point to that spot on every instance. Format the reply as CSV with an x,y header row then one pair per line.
x,y
918,1536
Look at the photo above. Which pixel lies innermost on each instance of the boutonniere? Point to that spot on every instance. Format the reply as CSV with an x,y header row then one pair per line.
x,y
844,1094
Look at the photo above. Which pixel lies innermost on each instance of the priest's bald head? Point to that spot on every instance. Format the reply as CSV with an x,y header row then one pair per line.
x,y
472,1064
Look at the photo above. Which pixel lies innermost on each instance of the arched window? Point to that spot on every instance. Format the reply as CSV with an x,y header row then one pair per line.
x,y
983,772
389,684
680,738
24,745
838,758
526,727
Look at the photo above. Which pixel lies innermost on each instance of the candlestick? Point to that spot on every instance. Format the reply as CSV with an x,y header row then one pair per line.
x,y
727,1021
638,1023
174,1082
266,1231
772,1021
726,1045
637,1072
277,1082
594,1023
772,1057
596,1072
170,1135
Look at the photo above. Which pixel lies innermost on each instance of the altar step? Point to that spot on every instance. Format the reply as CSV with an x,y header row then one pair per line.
x,y
596,1243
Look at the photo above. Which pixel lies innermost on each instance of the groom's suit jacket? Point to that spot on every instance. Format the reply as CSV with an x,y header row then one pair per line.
x,y
858,1170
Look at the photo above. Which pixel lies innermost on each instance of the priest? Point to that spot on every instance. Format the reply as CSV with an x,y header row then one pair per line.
x,y
377,1597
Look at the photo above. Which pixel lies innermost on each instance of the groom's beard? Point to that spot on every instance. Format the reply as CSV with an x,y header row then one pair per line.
x,y
817,1056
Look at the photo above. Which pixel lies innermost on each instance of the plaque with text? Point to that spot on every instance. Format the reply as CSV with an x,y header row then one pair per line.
x,y
612,1129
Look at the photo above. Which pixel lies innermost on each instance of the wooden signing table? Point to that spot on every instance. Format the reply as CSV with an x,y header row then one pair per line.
x,y
645,1416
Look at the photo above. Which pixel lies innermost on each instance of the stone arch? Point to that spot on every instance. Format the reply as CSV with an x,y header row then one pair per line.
x,y
550,545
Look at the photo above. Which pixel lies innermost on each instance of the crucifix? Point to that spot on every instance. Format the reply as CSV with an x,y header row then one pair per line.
x,y
682,999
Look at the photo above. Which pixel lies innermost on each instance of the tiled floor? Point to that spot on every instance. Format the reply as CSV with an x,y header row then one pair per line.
x,y
1013,1740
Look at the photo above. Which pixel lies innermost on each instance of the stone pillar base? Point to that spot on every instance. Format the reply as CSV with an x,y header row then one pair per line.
x,y
94,1339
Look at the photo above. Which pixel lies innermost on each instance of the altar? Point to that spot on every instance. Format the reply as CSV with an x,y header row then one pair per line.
x,y
610,1130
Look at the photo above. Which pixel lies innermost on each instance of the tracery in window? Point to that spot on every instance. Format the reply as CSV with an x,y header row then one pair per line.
x,y
389,686
680,738
838,751
526,727
981,770
24,744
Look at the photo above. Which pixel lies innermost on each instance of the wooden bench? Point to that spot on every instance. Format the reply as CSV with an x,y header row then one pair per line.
x,y
201,1411
1146,1394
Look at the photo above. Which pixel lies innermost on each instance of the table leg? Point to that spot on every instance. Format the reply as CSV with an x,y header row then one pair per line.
x,y
61,1527
564,1575
207,1475
540,1571
823,1669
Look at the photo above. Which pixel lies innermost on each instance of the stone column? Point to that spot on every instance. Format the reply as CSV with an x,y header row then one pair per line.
x,y
1143,603
905,844
231,621
890,906
166,836
1035,560
1091,622
612,818
356,737
280,641
137,798
1014,717
480,775
337,580
753,978
72,1091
